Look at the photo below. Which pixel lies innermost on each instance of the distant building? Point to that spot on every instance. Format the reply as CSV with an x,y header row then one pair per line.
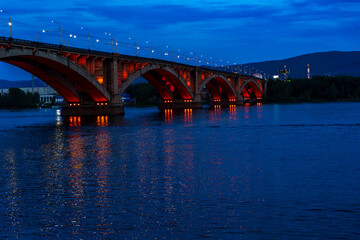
x,y
59,100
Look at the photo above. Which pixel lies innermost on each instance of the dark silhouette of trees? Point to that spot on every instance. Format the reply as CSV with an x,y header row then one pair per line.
x,y
319,88
16,98
144,93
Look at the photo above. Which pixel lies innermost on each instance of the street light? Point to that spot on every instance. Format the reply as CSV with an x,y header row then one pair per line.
x,y
59,30
88,35
10,23
112,42
71,36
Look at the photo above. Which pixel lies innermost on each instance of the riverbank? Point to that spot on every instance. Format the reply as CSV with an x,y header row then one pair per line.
x,y
317,89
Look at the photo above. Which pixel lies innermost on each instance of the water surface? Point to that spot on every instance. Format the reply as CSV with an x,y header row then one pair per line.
x,y
250,172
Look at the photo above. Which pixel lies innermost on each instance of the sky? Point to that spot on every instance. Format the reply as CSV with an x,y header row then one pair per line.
x,y
218,31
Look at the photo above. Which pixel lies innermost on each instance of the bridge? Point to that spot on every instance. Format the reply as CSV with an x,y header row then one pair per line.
x,y
91,82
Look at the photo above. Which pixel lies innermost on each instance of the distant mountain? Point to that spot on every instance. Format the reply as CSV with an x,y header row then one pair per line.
x,y
333,63
21,84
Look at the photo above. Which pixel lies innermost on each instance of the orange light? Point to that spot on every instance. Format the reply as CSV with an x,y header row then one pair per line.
x,y
100,79
188,83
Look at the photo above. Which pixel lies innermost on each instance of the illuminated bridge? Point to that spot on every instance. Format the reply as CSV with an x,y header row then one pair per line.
x,y
92,82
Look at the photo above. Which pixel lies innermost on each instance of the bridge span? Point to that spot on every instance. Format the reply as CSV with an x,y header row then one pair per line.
x,y
92,82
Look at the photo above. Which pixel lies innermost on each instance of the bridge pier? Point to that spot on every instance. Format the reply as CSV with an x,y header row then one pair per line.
x,y
224,102
92,109
178,104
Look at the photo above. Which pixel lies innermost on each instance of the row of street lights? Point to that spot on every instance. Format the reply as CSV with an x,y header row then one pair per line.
x,y
167,52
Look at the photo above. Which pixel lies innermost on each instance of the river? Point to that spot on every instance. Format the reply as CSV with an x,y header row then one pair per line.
x,y
277,171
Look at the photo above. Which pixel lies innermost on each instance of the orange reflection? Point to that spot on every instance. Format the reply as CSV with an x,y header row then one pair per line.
x,y
76,180
75,121
103,154
217,109
246,109
232,109
168,115
259,109
188,115
102,121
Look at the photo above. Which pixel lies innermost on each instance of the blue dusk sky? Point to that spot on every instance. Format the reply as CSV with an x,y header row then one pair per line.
x,y
221,30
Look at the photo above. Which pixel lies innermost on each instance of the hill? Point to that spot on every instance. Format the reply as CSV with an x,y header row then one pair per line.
x,y
334,63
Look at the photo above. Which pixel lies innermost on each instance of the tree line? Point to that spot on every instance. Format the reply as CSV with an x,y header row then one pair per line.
x,y
319,88
144,93
17,98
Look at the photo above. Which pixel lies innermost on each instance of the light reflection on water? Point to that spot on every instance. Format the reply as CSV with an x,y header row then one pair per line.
x,y
255,171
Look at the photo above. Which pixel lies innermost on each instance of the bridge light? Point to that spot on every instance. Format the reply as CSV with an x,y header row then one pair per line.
x,y
43,30
100,79
97,40
70,35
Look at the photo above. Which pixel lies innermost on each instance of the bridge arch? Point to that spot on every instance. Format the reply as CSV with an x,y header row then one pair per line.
x,y
164,79
251,89
69,79
218,86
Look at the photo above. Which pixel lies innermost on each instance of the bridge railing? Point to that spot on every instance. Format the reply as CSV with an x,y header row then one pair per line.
x,y
57,47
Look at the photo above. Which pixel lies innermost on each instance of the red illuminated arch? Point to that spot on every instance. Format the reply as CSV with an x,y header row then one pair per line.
x,y
217,85
63,75
251,89
164,79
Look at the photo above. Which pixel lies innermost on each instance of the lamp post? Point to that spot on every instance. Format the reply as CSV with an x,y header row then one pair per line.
x,y
10,23
112,42
59,30
88,36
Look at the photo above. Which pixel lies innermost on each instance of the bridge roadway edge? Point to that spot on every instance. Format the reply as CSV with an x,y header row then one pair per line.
x,y
99,94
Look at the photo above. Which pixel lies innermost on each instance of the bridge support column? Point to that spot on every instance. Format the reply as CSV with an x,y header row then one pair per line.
x,y
179,104
240,100
91,109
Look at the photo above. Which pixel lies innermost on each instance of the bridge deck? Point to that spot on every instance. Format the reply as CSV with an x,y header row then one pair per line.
x,y
95,53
